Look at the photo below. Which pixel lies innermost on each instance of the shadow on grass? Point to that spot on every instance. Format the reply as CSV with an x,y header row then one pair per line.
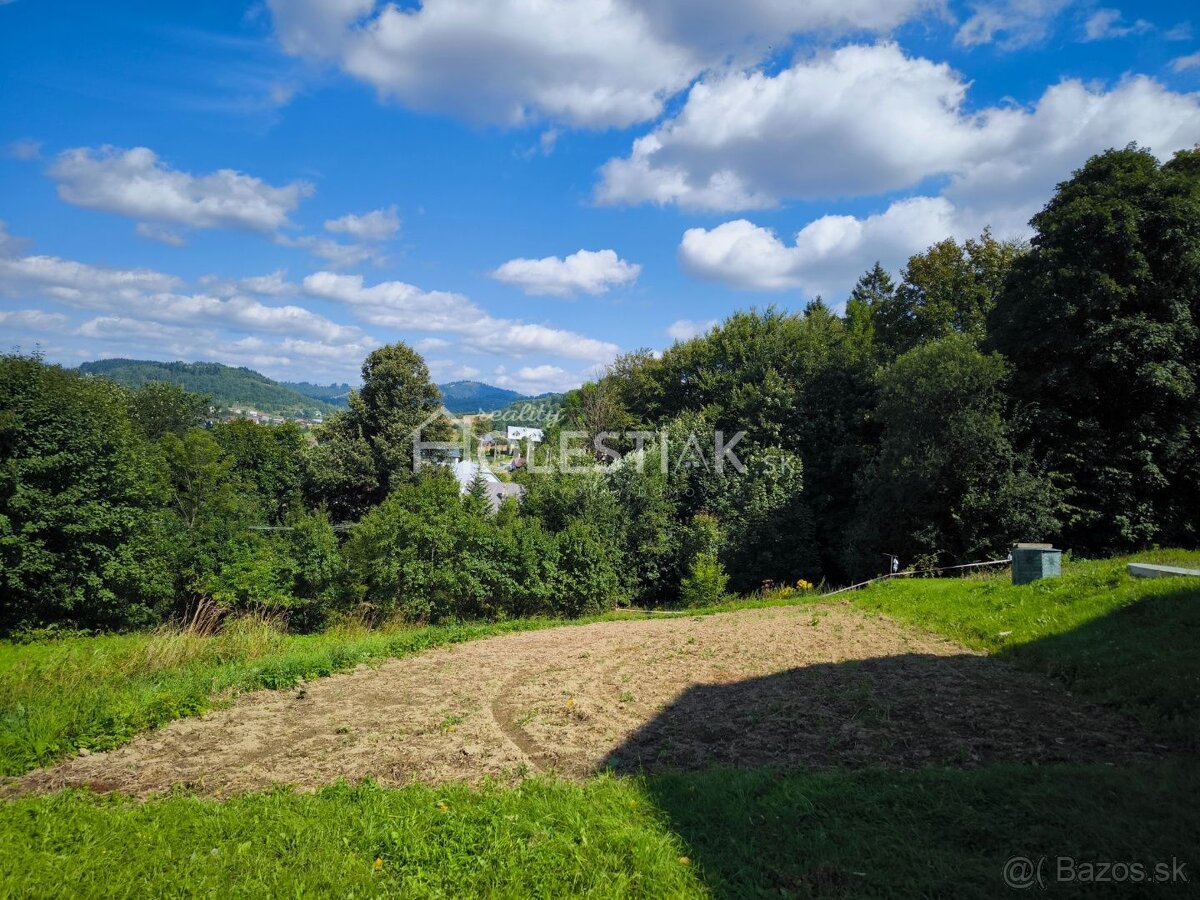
x,y
918,775
908,711
930,833
1141,657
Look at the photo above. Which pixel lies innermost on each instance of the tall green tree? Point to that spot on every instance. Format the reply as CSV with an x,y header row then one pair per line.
x,y
1100,321
368,450
946,484
950,288
82,532
158,408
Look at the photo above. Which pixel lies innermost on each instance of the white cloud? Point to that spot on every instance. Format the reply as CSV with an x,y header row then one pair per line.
x,y
1001,189
1184,63
825,255
272,284
860,120
1107,23
1010,24
377,225
396,304
541,379
155,296
335,253
71,277
1180,32
427,344
686,329
33,320
590,63
135,183
138,331
586,271
24,149
867,120
268,285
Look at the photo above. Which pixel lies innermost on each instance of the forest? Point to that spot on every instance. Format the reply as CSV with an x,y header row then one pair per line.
x,y
993,392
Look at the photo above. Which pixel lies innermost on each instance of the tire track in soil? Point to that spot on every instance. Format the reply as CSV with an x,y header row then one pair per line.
x,y
785,688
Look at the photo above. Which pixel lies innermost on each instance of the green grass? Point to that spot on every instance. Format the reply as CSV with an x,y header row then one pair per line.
x,y
96,692
1111,638
542,839
934,833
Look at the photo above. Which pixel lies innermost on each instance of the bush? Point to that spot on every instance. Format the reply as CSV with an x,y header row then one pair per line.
x,y
704,584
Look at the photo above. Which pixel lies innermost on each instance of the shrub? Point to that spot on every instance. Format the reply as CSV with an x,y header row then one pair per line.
x,y
705,581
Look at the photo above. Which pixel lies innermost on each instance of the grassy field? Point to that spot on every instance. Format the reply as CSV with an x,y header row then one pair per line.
x,y
935,832
94,693
1123,641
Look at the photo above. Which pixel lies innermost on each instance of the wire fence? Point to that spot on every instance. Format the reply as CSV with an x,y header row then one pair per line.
x,y
916,573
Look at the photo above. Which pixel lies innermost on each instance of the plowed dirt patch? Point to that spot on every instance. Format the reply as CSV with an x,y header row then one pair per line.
x,y
785,688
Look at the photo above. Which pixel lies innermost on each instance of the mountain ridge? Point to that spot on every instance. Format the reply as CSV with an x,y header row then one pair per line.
x,y
239,386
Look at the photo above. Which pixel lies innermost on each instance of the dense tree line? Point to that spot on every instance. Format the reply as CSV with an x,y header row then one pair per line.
x,y
996,392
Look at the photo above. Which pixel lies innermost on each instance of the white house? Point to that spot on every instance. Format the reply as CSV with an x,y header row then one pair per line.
x,y
517,433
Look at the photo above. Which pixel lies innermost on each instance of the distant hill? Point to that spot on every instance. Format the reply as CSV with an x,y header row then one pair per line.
x,y
475,396
225,385
241,387
334,394
533,412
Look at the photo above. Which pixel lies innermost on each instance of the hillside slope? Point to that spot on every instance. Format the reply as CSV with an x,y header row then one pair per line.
x,y
225,385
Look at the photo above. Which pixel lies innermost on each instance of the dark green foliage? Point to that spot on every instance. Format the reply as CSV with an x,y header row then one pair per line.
x,y
948,289
1101,321
365,451
590,579
158,408
339,471
427,556
267,458
81,503
226,386
946,484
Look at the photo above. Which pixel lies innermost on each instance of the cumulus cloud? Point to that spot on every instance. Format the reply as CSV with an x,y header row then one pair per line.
x,y
586,271
1001,190
860,120
824,256
153,232
137,184
71,278
686,329
866,120
377,225
335,253
396,304
1105,24
589,63
541,379
158,297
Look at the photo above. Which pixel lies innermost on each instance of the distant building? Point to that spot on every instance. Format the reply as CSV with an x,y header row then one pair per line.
x,y
517,433
497,491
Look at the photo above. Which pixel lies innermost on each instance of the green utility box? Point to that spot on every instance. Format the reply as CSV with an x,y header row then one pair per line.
x,y
1033,561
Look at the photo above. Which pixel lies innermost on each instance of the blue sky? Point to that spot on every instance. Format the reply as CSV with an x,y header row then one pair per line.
x,y
523,188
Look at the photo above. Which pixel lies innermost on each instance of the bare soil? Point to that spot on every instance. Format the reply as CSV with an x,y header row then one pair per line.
x,y
785,688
